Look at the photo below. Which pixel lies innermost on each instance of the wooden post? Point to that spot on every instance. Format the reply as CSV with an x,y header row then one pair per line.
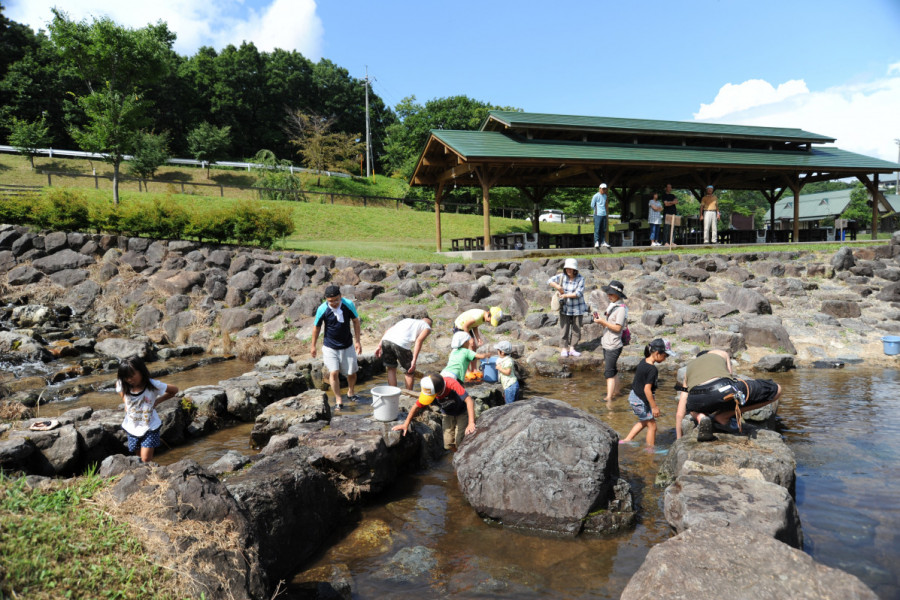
x,y
438,192
875,207
796,191
485,205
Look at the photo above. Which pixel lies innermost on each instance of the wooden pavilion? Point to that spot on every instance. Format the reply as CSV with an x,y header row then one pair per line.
x,y
537,152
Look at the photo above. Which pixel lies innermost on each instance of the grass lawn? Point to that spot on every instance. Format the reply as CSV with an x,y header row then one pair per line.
x,y
345,228
58,543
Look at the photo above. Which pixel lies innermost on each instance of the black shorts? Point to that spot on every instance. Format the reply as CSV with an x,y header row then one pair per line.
x,y
710,398
392,354
610,358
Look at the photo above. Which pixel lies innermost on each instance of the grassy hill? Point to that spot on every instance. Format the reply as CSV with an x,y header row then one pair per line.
x,y
345,228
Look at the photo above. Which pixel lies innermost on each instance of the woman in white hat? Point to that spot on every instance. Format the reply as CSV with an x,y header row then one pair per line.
x,y
569,286
614,319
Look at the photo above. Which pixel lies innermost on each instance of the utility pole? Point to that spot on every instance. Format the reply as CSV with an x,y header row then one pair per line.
x,y
368,139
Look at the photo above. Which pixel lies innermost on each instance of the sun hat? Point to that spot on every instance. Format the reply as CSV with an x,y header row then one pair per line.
x,y
709,187
602,185
426,399
615,287
661,345
505,347
459,339
570,263
496,315
427,385
332,291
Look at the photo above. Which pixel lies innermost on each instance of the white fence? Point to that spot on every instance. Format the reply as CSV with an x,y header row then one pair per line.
x,y
50,152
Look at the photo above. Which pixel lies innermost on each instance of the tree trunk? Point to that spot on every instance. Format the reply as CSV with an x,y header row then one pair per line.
x,y
116,183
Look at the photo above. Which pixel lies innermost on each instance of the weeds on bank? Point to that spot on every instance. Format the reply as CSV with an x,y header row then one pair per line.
x,y
56,543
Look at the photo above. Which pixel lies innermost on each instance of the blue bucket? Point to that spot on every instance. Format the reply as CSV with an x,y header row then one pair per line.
x,y
891,344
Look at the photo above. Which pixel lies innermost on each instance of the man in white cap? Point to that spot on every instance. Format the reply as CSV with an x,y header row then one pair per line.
x,y
598,209
457,407
709,213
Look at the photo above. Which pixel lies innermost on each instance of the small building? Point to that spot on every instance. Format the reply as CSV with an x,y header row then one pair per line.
x,y
815,209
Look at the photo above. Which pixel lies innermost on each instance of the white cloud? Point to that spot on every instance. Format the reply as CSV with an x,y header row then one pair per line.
x,y
287,24
863,117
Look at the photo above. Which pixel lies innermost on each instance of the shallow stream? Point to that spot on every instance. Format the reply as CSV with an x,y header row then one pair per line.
x,y
842,424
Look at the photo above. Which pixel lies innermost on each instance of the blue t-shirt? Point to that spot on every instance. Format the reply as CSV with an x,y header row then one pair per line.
x,y
598,205
337,335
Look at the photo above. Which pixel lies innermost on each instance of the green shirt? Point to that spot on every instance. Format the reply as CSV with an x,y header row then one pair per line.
x,y
458,363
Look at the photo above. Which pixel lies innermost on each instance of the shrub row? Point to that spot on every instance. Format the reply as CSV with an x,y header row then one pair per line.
x,y
244,222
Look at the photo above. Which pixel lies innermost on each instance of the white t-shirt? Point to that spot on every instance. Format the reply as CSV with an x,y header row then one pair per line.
x,y
406,332
140,416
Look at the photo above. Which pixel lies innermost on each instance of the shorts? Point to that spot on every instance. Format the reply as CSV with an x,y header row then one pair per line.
x,y
392,355
641,410
343,360
610,358
710,398
148,440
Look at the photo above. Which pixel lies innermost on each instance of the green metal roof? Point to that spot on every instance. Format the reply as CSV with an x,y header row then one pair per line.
x,y
493,144
648,126
814,207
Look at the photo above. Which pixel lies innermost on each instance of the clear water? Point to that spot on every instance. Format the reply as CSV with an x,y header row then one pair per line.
x,y
843,425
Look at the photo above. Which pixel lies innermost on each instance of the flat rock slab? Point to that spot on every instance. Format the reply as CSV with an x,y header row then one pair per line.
x,y
279,416
739,564
763,450
699,497
542,464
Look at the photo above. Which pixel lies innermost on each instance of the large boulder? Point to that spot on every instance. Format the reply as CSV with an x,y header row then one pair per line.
x,y
193,525
120,348
56,452
706,496
739,564
293,508
746,300
767,332
763,450
62,260
542,464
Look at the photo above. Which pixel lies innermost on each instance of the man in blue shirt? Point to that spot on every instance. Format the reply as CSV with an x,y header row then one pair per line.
x,y
598,209
339,350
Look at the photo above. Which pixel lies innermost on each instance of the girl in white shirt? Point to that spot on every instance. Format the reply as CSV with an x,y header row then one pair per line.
x,y
141,395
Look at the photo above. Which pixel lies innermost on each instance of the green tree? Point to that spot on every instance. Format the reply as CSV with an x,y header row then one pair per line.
x,y
29,136
860,207
116,65
208,143
320,148
150,153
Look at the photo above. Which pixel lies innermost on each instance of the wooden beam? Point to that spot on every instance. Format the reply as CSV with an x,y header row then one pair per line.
x,y
454,172
438,192
563,174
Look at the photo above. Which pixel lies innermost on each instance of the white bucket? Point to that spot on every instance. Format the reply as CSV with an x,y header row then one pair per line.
x,y
386,402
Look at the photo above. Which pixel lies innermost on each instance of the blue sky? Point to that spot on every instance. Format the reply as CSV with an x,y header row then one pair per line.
x,y
828,66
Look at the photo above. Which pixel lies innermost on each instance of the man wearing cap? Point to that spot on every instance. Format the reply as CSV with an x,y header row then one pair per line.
x,y
598,209
670,210
472,319
716,398
340,347
457,407
709,214
401,345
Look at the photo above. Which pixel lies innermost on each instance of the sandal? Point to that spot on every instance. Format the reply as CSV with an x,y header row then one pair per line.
x,y
354,398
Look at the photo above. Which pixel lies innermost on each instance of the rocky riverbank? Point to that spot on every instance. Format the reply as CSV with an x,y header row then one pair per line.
x,y
76,302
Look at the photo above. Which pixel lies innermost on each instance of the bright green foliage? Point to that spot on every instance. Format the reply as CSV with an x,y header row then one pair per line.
x,y
208,143
63,210
150,153
115,65
275,181
29,136
860,207
210,224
